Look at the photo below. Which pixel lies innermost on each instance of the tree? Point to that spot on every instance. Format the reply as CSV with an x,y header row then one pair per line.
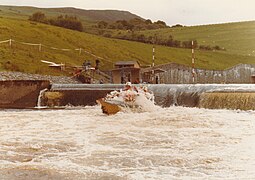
x,y
148,21
188,44
160,23
141,38
38,17
177,25
102,24
169,41
69,22
217,47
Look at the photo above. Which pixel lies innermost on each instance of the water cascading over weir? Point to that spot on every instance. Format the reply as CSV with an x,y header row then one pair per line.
x,y
24,94
212,96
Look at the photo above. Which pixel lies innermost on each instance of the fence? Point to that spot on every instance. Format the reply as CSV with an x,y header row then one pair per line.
x,y
180,74
41,46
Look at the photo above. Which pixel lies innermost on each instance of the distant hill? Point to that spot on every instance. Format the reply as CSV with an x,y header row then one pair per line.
x,y
98,15
84,15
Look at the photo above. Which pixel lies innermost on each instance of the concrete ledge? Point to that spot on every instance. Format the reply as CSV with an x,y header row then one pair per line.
x,y
73,97
21,93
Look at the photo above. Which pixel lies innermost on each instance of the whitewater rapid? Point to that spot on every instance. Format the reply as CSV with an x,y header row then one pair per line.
x,y
167,143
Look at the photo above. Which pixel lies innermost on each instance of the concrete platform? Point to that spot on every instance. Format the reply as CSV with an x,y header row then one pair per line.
x,y
21,93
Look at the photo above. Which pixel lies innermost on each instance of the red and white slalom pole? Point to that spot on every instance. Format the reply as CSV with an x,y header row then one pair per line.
x,y
193,62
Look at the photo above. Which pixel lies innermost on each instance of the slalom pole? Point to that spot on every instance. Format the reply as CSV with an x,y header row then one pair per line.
x,y
193,61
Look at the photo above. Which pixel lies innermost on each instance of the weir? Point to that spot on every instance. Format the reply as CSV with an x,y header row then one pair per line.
x,y
189,95
166,95
29,94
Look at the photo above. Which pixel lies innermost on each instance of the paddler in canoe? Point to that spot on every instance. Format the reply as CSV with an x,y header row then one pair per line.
x,y
126,95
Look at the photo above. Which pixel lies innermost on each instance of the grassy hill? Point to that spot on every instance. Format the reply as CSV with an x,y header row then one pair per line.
x,y
85,15
21,57
237,38
89,18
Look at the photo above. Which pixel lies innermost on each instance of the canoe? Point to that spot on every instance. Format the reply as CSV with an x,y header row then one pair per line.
x,y
108,108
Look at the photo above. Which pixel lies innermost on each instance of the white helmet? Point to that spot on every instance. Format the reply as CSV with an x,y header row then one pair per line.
x,y
128,84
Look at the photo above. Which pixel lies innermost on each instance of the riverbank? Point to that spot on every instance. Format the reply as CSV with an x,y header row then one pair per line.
x,y
7,75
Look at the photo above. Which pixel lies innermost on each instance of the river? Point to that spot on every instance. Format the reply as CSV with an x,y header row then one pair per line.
x,y
166,143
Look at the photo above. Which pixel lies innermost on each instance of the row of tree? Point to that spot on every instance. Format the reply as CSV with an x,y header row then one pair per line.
x,y
133,24
170,41
69,22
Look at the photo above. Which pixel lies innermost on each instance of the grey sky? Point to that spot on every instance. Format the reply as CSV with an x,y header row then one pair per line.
x,y
187,12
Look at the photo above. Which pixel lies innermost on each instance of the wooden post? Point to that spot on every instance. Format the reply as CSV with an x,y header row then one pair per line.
x,y
10,43
40,47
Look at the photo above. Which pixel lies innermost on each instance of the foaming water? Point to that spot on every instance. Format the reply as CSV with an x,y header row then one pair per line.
x,y
234,100
167,143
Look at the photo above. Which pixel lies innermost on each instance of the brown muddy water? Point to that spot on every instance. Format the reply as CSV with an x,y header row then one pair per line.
x,y
167,143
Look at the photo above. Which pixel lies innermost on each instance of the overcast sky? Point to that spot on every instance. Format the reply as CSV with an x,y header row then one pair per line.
x,y
187,12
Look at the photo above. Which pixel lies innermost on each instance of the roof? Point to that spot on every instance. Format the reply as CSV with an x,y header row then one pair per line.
x,y
126,63
126,68
155,70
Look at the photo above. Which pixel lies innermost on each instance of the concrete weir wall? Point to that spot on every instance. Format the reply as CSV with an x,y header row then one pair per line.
x,y
76,94
21,93
24,94
228,96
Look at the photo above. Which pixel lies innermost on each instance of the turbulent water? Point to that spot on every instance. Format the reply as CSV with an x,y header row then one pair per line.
x,y
169,143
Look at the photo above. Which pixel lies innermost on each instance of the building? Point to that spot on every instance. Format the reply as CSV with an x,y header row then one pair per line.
x,y
126,71
152,75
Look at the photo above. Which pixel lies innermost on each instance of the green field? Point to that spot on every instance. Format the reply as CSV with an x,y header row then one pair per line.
x,y
27,58
237,38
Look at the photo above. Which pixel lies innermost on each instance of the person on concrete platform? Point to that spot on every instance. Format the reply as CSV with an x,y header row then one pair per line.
x,y
129,87
137,81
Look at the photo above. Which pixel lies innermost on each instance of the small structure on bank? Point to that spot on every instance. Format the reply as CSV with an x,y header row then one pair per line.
x,y
152,75
126,71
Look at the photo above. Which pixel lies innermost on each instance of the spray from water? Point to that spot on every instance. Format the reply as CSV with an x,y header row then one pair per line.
x,y
145,104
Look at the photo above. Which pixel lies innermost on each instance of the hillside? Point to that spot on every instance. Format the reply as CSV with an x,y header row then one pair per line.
x,y
86,16
237,38
89,18
21,57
